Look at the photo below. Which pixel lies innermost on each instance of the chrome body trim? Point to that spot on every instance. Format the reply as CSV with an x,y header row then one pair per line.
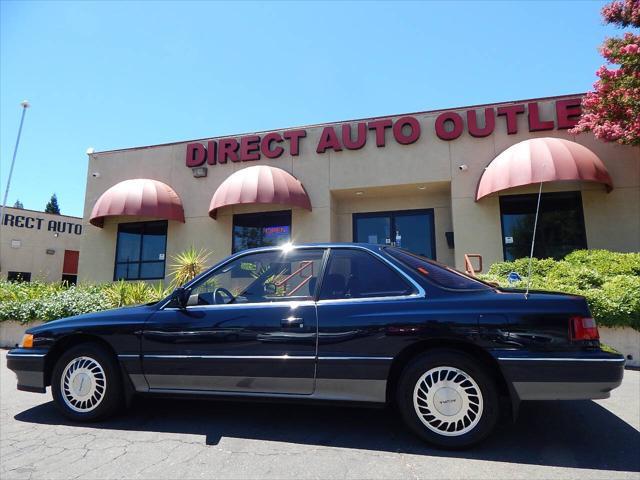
x,y
128,356
356,358
35,355
235,357
257,357
531,359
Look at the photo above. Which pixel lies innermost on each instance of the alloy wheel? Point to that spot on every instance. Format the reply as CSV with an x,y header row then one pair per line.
x,y
448,401
83,384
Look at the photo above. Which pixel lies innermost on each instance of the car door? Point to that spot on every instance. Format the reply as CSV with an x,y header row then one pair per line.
x,y
362,300
250,326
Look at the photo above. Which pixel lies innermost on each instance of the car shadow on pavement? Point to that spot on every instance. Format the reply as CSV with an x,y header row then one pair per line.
x,y
577,434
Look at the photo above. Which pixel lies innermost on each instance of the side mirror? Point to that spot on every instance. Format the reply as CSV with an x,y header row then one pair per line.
x,y
180,297
270,289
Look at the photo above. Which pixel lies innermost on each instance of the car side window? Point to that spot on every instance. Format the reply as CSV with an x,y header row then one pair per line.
x,y
354,273
261,277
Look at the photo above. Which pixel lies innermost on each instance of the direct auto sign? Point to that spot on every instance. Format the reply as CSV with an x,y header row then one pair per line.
x,y
406,130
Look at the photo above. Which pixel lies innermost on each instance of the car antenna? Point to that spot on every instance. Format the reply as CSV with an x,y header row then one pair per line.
x,y
533,240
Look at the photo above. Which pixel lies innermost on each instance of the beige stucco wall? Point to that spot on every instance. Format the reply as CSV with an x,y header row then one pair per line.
x,y
389,178
32,255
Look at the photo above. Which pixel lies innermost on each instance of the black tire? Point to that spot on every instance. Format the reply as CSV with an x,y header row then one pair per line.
x,y
480,411
106,377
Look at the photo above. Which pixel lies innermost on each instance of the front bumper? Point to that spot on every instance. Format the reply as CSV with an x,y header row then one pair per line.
x,y
561,376
29,367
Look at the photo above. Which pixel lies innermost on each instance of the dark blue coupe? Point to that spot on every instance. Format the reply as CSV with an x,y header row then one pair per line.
x,y
338,322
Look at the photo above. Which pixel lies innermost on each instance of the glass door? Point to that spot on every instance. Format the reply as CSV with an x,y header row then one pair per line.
x,y
409,229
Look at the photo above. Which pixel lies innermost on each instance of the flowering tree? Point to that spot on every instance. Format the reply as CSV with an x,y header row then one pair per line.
x,y
612,110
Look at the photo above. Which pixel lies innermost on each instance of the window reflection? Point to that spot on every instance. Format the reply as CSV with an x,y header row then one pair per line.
x,y
140,251
560,227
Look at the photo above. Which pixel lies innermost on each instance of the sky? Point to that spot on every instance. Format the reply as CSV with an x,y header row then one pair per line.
x,y
112,75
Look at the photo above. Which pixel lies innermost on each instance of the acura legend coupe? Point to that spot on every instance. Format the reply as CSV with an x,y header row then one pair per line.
x,y
360,323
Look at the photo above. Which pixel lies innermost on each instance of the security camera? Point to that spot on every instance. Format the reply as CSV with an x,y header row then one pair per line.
x,y
95,174
463,168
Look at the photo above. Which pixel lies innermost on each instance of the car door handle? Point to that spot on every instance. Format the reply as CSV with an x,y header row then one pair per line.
x,y
292,322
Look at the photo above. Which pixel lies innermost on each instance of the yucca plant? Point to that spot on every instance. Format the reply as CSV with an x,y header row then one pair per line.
x,y
187,265
158,291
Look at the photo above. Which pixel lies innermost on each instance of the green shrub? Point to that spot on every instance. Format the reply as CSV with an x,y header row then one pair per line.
x,y
30,301
610,281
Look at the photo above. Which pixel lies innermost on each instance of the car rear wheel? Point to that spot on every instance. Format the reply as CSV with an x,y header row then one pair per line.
x,y
86,383
448,399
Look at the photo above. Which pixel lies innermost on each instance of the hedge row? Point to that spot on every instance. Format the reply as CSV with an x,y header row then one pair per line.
x,y
26,302
610,281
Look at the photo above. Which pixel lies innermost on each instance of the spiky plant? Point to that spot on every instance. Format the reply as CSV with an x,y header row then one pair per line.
x,y
187,265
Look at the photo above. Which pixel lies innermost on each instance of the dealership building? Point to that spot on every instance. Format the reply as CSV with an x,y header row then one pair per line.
x,y
39,246
444,184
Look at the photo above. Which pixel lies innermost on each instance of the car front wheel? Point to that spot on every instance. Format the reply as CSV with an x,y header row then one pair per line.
x,y
448,399
86,383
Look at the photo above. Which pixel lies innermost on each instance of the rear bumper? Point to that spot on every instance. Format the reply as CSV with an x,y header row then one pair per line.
x,y
568,376
28,365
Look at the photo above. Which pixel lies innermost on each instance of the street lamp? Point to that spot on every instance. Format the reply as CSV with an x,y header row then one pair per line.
x,y
25,104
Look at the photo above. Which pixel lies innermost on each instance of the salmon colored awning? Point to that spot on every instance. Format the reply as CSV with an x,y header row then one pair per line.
x,y
259,184
138,197
542,160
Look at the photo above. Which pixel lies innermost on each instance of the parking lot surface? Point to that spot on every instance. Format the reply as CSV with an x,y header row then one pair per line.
x,y
163,438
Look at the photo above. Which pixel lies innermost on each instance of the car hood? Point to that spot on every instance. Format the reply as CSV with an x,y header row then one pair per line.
x,y
123,314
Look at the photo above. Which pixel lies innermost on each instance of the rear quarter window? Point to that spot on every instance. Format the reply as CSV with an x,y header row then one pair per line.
x,y
439,274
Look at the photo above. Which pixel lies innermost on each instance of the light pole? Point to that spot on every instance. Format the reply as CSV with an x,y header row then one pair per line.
x,y
25,105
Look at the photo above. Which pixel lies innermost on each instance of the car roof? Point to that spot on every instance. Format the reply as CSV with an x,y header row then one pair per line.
x,y
368,246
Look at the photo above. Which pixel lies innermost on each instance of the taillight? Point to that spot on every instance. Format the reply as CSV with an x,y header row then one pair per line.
x,y
583,328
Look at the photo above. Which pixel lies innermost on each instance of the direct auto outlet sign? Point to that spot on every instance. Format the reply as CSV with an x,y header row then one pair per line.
x,y
406,130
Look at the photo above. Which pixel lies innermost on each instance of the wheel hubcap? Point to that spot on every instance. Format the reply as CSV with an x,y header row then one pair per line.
x,y
448,401
83,384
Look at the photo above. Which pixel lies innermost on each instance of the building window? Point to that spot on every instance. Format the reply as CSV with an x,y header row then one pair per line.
x,y
69,279
560,225
412,230
140,251
263,229
18,276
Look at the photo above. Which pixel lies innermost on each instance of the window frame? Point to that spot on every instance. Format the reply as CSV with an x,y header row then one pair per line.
x,y
534,197
165,223
245,253
419,289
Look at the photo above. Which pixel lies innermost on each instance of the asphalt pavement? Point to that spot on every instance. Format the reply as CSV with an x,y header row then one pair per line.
x,y
164,438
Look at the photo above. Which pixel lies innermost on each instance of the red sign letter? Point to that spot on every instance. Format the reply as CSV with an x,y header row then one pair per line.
x,y
359,141
265,146
228,149
328,139
400,137
568,112
196,154
249,147
294,137
458,126
511,112
379,126
489,123
535,124
212,152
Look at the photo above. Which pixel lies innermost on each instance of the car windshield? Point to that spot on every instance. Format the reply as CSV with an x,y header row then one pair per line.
x,y
436,272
